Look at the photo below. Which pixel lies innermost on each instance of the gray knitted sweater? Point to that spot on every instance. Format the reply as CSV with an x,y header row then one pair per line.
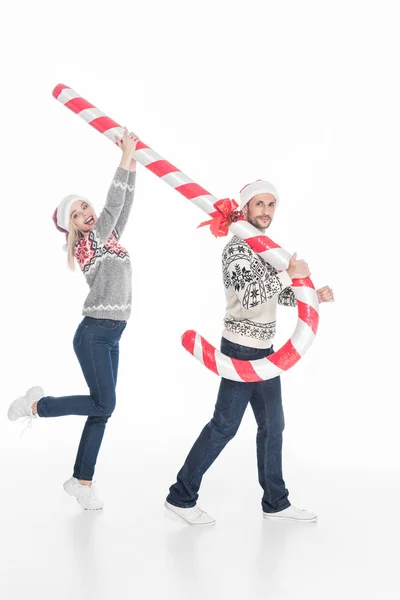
x,y
104,262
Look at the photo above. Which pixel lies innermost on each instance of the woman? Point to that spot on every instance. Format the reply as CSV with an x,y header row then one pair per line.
x,y
94,243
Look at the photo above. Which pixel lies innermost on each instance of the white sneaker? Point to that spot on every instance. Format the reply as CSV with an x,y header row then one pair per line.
x,y
191,516
292,514
86,495
22,407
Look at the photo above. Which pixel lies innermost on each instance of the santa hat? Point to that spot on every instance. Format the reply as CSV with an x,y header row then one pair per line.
x,y
257,187
62,213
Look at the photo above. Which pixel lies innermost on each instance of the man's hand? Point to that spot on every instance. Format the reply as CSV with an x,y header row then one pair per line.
x,y
298,269
325,294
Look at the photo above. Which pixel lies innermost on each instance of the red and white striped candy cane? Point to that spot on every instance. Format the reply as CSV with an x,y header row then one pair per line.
x,y
307,300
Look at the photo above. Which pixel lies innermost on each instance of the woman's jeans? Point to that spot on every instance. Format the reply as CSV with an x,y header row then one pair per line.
x,y
233,398
96,344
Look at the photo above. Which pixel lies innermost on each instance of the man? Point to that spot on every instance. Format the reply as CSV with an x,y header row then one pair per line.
x,y
253,289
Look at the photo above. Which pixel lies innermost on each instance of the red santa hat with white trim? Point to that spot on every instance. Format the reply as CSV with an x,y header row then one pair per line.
x,y
62,213
257,187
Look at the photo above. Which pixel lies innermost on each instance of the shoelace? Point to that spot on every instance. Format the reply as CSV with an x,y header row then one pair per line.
x,y
299,510
28,420
88,491
89,496
198,513
302,512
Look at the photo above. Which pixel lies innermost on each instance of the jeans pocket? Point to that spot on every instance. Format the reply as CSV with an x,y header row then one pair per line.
x,y
78,337
108,323
238,351
247,354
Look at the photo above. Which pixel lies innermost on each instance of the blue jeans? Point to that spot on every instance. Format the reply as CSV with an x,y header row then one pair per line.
x,y
233,398
96,344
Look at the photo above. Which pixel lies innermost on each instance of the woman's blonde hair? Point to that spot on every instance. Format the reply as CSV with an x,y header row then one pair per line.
x,y
74,236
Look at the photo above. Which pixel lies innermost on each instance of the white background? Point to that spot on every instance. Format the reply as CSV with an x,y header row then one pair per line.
x,y
304,94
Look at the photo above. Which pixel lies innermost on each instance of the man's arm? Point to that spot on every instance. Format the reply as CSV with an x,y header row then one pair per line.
x,y
287,298
249,276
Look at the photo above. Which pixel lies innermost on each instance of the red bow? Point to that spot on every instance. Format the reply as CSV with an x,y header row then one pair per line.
x,y
223,217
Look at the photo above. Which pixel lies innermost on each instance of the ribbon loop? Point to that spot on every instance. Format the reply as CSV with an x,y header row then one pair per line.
x,y
223,217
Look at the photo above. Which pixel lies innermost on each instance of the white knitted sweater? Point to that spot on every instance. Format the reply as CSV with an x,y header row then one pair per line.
x,y
253,289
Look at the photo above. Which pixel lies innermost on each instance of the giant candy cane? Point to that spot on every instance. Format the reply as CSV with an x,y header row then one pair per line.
x,y
306,296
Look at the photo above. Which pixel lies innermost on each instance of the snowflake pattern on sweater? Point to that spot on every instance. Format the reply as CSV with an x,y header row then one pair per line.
x,y
89,249
247,272
253,289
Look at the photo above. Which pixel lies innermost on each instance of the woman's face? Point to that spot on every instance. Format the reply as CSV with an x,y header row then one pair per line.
x,y
83,216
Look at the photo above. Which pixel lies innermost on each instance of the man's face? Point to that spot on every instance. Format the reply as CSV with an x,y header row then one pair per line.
x,y
260,210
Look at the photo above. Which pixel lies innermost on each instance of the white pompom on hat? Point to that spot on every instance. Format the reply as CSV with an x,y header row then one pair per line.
x,y
257,187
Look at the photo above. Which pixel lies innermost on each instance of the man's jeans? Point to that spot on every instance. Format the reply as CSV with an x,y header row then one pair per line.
x,y
233,398
96,344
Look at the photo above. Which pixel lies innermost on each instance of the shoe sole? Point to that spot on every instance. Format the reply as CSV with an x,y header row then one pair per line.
x,y
9,412
84,507
314,520
38,390
188,522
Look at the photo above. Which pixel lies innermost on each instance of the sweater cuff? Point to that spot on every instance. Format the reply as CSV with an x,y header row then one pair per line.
x,y
121,175
285,279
